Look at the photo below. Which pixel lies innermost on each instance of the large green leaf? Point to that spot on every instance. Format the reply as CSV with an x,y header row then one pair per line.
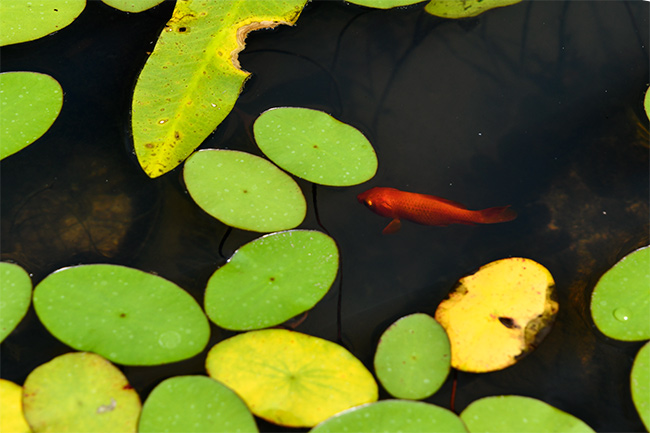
x,y
185,404
80,392
384,4
640,384
413,357
192,78
314,146
132,5
126,315
29,104
23,20
270,280
464,8
620,303
15,296
516,414
290,378
244,191
393,416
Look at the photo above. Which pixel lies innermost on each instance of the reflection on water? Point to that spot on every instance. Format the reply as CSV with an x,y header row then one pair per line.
x,y
535,105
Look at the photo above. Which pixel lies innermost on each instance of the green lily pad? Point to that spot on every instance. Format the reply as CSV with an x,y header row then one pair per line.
x,y
646,103
272,279
132,5
186,404
393,416
620,303
80,392
11,401
29,105
640,384
192,78
384,4
129,316
15,296
514,413
289,378
22,20
464,8
314,146
244,191
413,357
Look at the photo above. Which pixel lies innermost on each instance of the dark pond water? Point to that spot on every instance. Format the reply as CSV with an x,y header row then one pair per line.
x,y
537,105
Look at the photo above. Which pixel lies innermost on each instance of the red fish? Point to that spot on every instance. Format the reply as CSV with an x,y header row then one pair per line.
x,y
427,209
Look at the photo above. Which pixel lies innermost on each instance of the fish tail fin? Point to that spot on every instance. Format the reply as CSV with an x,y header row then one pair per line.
x,y
500,214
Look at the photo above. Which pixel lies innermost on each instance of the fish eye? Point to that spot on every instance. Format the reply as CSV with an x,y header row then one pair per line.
x,y
368,203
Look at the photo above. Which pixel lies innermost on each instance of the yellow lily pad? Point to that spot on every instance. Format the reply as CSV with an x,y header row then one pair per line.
x,y
289,378
80,392
192,78
498,314
12,419
464,8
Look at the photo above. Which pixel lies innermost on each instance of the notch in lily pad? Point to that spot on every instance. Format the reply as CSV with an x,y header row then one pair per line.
x,y
289,378
499,314
126,315
315,146
272,279
621,299
244,191
413,357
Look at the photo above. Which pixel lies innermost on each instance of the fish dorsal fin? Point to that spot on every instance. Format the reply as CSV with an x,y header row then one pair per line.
x,y
451,202
392,227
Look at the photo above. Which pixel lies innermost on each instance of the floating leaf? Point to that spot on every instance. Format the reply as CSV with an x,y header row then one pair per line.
x,y
22,20
640,384
186,404
464,8
496,315
513,413
129,316
384,4
289,378
132,5
192,78
646,103
393,416
620,303
413,357
244,191
272,279
314,146
29,105
15,296
12,419
80,392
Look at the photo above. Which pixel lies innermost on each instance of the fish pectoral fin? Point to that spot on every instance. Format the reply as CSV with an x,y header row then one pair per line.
x,y
393,227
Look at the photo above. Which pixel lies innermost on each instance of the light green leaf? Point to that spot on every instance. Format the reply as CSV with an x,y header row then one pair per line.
x,y
185,404
464,8
244,191
289,378
29,105
620,303
516,414
80,392
640,384
272,279
646,103
314,146
192,78
413,357
126,315
22,20
15,296
132,5
384,4
393,416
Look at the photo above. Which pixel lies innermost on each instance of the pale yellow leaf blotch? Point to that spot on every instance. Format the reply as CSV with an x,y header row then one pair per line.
x,y
496,315
192,78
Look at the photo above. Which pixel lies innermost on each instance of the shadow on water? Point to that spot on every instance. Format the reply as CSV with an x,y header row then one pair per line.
x,y
537,105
